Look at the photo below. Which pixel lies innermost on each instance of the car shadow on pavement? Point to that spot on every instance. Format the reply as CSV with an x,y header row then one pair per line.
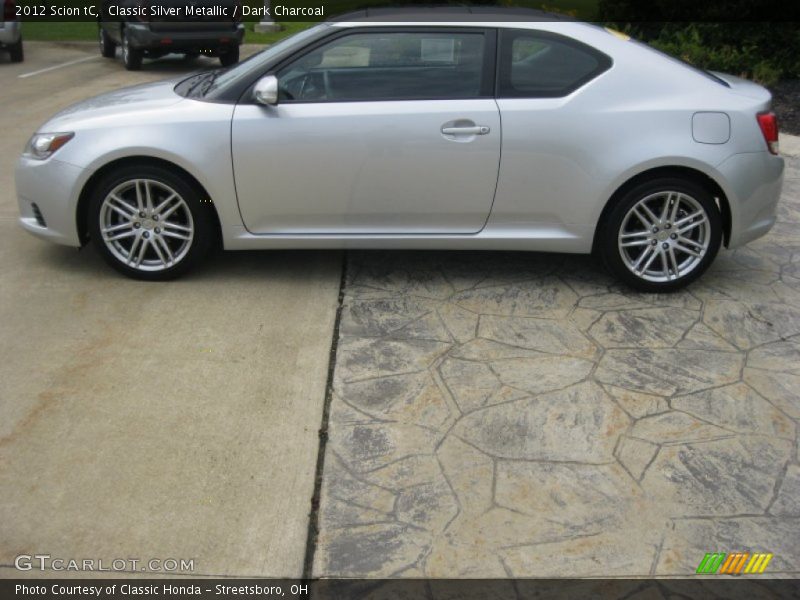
x,y
241,266
266,263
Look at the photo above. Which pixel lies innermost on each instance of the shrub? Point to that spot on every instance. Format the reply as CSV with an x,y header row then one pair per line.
x,y
764,51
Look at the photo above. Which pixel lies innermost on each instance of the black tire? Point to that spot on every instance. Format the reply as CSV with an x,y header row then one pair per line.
x,y
660,237
131,57
187,253
229,57
107,47
16,52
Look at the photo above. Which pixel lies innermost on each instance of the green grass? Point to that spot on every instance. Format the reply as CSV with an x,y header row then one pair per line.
x,y
88,32
37,30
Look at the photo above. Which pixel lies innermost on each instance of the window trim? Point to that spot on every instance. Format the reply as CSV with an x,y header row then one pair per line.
x,y
488,68
505,41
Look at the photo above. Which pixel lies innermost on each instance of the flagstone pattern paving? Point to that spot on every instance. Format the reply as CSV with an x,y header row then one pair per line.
x,y
521,415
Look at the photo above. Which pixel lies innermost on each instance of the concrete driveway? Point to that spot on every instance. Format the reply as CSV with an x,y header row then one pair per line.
x,y
160,421
502,415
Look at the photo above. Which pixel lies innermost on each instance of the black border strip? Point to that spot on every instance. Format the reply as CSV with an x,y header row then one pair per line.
x,y
403,589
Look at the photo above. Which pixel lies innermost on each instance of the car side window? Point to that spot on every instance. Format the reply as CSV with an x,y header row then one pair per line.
x,y
537,64
387,66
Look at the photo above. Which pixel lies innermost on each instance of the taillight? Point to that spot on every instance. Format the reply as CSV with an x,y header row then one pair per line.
x,y
9,11
769,128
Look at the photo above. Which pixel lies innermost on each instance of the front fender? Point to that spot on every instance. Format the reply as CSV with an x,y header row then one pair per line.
x,y
195,138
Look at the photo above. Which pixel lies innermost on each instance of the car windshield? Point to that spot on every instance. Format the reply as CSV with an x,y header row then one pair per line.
x,y
210,83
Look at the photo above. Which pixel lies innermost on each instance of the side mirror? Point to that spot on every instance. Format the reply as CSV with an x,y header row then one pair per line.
x,y
266,90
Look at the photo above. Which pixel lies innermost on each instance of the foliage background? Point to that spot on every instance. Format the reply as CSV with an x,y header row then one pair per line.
x,y
724,35
729,36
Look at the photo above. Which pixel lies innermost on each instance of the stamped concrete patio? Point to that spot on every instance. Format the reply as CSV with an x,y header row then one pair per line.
x,y
523,415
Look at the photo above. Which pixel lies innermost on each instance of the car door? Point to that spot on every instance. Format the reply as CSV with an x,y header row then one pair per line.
x,y
377,131
551,130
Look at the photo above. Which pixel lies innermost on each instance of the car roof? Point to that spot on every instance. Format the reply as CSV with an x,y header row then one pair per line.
x,y
449,13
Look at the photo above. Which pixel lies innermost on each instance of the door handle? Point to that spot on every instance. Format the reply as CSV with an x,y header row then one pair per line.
x,y
474,130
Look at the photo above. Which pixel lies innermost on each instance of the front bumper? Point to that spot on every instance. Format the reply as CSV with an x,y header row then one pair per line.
x,y
54,187
753,183
143,38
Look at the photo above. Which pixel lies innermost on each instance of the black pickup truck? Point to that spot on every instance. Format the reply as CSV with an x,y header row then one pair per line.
x,y
153,29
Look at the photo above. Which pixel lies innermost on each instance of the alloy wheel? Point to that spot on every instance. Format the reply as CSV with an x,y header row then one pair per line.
x,y
664,236
146,225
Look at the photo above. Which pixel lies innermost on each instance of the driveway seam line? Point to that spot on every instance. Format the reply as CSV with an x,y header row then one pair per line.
x,y
313,520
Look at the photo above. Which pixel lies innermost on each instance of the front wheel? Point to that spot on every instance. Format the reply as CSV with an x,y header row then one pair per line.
x,y
662,235
149,223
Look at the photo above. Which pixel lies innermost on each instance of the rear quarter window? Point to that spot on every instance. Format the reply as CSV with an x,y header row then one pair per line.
x,y
537,64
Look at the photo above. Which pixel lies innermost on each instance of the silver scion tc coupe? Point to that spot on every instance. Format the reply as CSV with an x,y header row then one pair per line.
x,y
469,130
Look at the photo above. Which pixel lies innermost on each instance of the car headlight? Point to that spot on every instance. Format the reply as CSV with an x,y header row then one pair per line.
x,y
43,145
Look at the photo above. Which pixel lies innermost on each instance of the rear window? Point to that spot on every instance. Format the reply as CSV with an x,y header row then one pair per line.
x,y
544,65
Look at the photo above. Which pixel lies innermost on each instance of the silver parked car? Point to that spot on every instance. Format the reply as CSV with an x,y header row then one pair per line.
x,y
11,31
472,130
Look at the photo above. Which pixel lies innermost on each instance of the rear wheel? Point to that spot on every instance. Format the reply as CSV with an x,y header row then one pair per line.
x,y
662,235
131,57
229,57
148,223
107,47
16,52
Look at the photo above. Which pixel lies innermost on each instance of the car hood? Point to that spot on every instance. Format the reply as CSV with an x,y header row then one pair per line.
x,y
130,100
